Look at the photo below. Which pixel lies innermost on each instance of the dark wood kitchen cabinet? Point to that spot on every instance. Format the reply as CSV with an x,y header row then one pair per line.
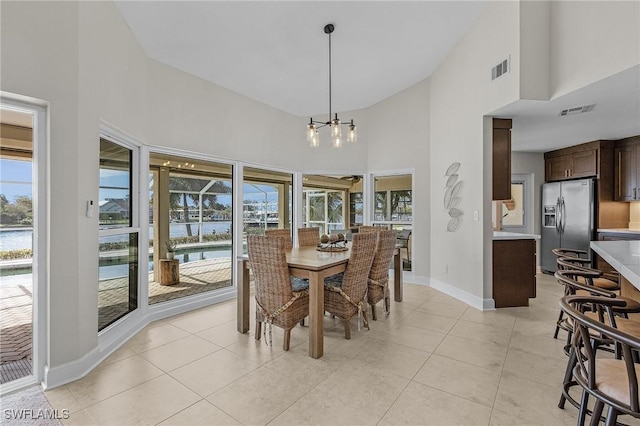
x,y
576,162
627,170
501,159
514,272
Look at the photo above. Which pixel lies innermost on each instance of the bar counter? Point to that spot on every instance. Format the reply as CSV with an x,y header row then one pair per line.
x,y
624,257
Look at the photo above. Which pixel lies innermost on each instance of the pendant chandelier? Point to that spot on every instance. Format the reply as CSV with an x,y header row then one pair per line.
x,y
334,124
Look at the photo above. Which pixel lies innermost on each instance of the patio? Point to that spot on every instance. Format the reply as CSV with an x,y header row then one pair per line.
x,y
16,306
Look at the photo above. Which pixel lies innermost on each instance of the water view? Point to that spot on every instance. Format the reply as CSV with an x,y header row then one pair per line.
x,y
18,239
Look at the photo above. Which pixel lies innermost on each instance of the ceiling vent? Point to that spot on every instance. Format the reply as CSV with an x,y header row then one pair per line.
x,y
501,69
577,110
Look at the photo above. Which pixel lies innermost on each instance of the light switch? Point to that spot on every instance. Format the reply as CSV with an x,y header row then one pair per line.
x,y
476,215
90,208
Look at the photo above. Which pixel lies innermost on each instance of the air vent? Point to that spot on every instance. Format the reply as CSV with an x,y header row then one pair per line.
x,y
501,69
577,110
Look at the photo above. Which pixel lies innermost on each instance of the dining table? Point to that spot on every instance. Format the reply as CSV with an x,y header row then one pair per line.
x,y
314,265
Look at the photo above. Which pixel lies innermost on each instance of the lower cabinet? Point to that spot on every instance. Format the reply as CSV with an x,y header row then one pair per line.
x,y
514,272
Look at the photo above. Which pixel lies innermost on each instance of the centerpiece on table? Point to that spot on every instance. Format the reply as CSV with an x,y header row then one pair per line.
x,y
333,242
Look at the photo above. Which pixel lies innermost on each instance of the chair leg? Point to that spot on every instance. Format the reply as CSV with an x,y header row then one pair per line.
x,y
597,413
366,319
612,417
347,329
582,414
555,335
387,303
302,322
258,329
287,339
373,313
566,383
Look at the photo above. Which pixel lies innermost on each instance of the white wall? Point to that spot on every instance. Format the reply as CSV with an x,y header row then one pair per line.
x,y
591,40
461,93
398,138
40,59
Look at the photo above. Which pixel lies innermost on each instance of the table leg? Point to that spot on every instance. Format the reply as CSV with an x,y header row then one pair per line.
x,y
316,315
243,297
397,276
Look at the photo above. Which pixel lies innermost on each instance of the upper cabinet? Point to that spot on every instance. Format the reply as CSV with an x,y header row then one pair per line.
x,y
578,161
501,159
627,170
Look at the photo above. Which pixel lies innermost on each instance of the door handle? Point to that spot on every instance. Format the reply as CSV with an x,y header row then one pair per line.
x,y
563,214
558,215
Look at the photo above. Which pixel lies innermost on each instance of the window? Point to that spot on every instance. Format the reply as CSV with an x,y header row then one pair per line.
x,y
392,199
393,208
118,232
190,226
513,209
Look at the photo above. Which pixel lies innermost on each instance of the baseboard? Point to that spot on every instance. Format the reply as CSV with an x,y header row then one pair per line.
x,y
463,296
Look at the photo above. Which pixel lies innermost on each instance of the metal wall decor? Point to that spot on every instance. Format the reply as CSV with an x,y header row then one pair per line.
x,y
452,189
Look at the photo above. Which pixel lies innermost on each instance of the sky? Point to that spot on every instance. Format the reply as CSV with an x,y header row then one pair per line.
x,y
15,171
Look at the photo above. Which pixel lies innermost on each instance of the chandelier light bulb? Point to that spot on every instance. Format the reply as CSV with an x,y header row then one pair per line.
x,y
311,132
337,141
352,135
315,140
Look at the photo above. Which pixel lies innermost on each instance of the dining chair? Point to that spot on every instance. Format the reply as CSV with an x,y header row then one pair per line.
x,y
308,237
345,294
612,382
378,284
403,241
368,228
276,301
284,233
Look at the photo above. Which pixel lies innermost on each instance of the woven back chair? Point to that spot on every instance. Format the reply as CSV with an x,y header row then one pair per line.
x,y
368,228
276,302
308,237
613,382
347,298
284,233
378,285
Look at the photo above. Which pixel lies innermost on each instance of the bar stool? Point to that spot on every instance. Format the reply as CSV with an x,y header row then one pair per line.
x,y
580,261
621,306
613,382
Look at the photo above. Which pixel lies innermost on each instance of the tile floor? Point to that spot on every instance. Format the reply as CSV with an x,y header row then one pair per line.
x,y
434,360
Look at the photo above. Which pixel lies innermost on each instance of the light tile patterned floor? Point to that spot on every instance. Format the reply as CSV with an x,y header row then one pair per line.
x,y
16,306
434,360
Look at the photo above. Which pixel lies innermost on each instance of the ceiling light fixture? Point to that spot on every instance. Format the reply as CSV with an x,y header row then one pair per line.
x,y
334,123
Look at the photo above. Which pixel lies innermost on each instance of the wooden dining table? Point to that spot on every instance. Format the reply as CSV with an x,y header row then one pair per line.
x,y
314,265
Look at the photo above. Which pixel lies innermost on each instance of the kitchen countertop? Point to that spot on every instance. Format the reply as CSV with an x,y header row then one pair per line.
x,y
501,235
621,230
623,256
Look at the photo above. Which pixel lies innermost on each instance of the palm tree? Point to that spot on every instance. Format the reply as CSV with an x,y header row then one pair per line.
x,y
191,188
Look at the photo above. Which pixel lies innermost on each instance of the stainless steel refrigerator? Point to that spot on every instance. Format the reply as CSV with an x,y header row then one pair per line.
x,y
568,211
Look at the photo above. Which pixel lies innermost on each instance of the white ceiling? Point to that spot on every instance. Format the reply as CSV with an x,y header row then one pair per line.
x,y
277,52
538,126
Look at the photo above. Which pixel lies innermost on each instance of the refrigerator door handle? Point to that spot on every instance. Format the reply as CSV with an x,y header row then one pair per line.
x,y
563,208
558,215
